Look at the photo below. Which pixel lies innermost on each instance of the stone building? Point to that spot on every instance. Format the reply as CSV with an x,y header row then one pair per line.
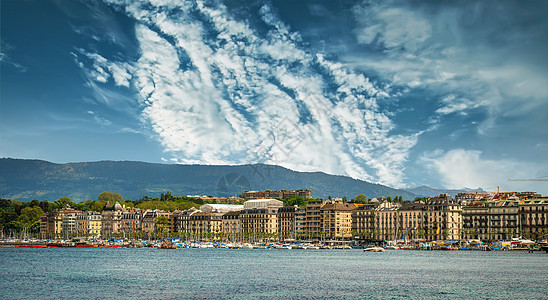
x,y
203,223
385,221
410,219
336,220
111,216
363,221
231,223
533,215
286,221
149,221
313,217
491,220
260,216
443,218
88,224
52,222
131,220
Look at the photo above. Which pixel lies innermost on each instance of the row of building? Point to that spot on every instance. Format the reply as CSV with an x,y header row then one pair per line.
x,y
436,218
281,194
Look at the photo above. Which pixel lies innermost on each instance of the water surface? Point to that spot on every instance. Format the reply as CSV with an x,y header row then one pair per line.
x,y
41,273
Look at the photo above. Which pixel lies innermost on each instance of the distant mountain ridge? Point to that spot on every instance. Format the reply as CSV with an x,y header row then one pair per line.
x,y
426,191
24,180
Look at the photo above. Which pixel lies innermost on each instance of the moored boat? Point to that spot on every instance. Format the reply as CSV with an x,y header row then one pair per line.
x,y
374,249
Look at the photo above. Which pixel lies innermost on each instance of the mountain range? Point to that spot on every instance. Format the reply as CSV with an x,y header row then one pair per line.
x,y
22,179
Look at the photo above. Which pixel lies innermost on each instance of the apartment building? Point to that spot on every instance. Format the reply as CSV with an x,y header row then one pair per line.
x,y
286,221
533,215
88,224
336,220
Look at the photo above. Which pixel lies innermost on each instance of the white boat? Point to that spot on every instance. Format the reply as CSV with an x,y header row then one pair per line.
x,y
374,249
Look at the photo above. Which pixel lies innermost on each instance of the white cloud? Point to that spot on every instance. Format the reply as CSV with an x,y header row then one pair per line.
x,y
452,104
466,50
393,28
467,168
100,120
218,92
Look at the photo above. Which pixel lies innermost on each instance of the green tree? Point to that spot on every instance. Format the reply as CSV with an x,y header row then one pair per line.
x,y
45,205
361,198
17,206
98,206
112,198
85,205
30,215
62,202
13,226
162,223
344,200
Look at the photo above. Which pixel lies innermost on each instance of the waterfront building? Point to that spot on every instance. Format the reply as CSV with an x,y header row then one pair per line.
x,y
300,221
313,217
363,221
149,221
385,221
260,216
443,218
533,215
173,216
259,220
336,220
181,220
131,220
475,217
231,223
410,225
88,224
286,221
504,219
491,220
111,216
68,223
201,223
52,222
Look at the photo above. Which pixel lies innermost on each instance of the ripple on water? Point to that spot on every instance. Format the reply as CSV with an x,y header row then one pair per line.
x,y
246,274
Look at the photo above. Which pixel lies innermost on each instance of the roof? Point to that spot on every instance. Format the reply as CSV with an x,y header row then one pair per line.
x,y
412,206
221,207
262,203
338,206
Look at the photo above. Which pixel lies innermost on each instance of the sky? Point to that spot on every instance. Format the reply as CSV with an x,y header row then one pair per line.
x,y
448,94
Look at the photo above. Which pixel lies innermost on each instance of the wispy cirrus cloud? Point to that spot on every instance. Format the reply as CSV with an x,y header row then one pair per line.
x,y
217,91
461,48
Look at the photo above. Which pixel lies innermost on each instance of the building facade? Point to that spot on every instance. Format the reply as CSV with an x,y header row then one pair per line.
x,y
336,220
533,214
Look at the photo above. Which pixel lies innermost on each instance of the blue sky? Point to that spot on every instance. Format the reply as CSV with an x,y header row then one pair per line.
x,y
404,93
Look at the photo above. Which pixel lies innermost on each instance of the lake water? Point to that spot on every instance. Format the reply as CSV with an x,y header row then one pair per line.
x,y
41,273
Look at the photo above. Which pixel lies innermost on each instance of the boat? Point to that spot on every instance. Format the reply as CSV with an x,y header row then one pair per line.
x,y
374,249
167,245
448,248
